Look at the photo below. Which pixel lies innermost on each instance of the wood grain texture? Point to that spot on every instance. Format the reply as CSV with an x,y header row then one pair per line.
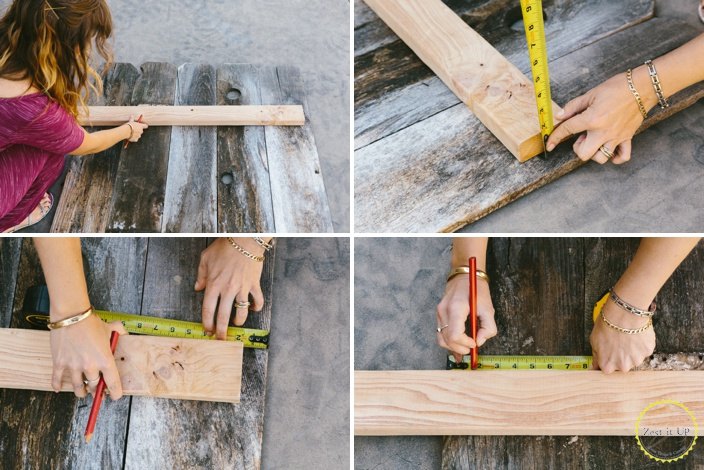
x,y
9,262
224,435
243,186
138,197
488,402
496,91
115,274
298,193
86,198
210,115
453,171
161,367
394,89
190,201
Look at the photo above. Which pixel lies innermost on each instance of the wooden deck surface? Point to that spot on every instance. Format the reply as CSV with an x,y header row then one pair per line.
x,y
261,179
423,161
154,277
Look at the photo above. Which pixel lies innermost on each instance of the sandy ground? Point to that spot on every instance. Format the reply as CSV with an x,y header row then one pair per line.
x,y
310,34
306,421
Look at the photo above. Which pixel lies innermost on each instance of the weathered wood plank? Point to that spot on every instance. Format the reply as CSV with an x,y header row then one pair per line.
x,y
540,278
10,249
298,191
497,92
233,437
452,170
138,197
205,115
549,402
243,186
160,367
86,198
114,271
391,82
190,202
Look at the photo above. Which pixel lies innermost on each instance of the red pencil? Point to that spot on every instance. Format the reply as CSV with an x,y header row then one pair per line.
x,y
98,397
473,308
139,119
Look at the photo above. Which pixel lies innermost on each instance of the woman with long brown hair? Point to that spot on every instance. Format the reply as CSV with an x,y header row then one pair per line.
x,y
45,82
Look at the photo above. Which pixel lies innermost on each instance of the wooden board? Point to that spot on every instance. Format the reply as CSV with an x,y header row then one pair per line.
x,y
200,179
231,433
447,170
244,186
153,276
190,202
58,441
161,367
496,91
9,261
243,115
517,402
299,200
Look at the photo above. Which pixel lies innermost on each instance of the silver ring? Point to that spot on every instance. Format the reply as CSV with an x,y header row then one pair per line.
x,y
240,304
440,328
607,153
88,381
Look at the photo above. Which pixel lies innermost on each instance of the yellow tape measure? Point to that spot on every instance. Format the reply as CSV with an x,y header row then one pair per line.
x,y
537,49
530,362
154,326
524,363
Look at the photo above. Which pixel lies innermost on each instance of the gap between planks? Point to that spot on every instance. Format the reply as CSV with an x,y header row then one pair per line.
x,y
163,367
518,402
241,115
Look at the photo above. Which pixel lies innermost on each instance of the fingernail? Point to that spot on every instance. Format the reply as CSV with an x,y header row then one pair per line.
x,y
560,113
550,147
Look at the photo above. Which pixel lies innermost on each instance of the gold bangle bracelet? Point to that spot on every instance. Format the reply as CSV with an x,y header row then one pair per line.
x,y
246,253
71,320
465,270
627,331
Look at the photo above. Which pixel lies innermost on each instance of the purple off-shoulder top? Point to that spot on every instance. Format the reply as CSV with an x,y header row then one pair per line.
x,y
35,135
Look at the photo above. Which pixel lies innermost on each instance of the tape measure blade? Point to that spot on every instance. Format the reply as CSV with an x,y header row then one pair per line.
x,y
494,362
532,11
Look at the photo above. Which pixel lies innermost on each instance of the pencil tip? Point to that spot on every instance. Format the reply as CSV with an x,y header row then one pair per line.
x,y
88,438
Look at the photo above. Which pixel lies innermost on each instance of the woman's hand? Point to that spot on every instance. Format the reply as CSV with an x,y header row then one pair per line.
x,y
135,129
228,276
453,311
610,116
613,350
83,350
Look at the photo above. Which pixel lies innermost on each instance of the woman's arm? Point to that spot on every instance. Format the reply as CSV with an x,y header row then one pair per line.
x,y
229,276
102,140
453,309
652,265
609,113
83,349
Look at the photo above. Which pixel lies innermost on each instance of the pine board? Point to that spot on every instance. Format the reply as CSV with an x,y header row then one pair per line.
x,y
160,367
533,403
446,171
